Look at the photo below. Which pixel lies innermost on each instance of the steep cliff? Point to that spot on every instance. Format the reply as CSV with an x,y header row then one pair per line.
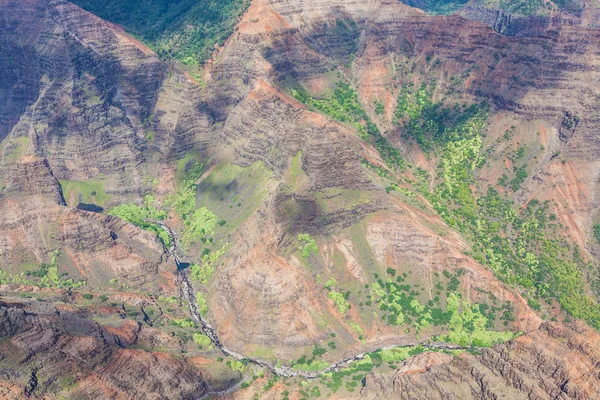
x,y
344,176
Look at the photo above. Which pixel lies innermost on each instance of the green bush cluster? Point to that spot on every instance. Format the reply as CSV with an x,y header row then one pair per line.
x,y
184,323
340,299
48,276
344,106
202,304
399,305
309,245
186,30
519,245
141,216
206,270
469,326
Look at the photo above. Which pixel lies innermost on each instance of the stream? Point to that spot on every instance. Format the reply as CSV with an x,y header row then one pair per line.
x,y
282,371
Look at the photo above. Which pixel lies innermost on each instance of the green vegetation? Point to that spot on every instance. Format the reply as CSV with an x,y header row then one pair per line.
x,y
202,304
7,278
330,284
89,192
340,299
468,328
48,276
203,341
237,366
142,215
184,323
522,7
199,225
519,245
312,364
206,270
309,246
170,300
234,193
399,304
183,201
433,124
15,147
353,374
344,106
186,30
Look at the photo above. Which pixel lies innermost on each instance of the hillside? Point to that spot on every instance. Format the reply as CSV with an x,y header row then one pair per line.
x,y
343,199
188,31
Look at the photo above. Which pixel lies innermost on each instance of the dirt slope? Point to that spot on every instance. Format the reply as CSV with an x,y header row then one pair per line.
x,y
91,116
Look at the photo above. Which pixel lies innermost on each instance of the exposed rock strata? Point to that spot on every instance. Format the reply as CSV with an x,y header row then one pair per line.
x,y
554,362
39,349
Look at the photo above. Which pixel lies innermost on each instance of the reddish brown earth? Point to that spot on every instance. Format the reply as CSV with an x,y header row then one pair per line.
x,y
81,91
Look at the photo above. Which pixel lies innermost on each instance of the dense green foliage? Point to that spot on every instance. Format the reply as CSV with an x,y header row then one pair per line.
x,y
199,223
469,326
184,323
520,245
202,304
186,30
203,341
432,124
308,245
340,299
142,216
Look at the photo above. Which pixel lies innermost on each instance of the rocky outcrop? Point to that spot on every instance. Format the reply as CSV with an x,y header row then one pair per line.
x,y
554,362
89,97
96,104
48,351
509,24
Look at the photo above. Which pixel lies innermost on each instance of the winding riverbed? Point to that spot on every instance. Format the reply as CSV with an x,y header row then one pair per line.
x,y
188,291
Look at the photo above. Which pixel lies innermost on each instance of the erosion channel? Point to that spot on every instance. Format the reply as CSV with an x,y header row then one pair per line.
x,y
283,371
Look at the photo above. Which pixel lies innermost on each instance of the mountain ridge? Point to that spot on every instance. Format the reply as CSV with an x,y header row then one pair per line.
x,y
304,193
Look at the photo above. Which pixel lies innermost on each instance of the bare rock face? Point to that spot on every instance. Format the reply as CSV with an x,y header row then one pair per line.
x,y
40,349
518,25
554,362
80,98
86,95
33,177
81,101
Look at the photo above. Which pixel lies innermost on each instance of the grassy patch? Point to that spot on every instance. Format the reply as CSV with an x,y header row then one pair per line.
x,y
89,192
14,148
142,216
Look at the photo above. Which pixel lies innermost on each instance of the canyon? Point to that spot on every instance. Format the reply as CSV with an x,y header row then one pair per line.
x,y
347,199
